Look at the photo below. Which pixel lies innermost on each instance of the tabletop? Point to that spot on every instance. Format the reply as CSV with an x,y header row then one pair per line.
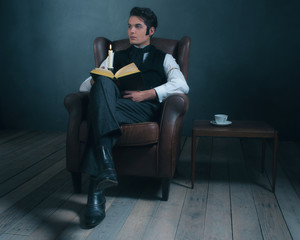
x,y
248,129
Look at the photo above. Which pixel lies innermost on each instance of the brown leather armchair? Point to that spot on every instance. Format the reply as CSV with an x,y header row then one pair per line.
x,y
148,149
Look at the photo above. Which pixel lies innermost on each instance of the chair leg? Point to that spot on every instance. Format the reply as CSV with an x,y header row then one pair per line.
x,y
76,179
165,189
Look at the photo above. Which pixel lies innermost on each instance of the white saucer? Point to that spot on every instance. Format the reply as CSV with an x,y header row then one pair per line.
x,y
213,122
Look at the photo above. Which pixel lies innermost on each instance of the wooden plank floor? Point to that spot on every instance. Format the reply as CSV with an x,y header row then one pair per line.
x,y
231,198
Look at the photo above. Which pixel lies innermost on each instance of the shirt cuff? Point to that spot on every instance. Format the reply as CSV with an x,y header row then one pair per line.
x,y
161,93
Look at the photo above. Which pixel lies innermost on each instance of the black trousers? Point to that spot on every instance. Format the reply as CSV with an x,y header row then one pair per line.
x,y
106,111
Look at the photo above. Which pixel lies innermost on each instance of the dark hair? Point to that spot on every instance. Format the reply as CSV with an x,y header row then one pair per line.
x,y
147,15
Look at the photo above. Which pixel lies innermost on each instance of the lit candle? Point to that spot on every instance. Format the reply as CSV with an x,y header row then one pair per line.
x,y
110,57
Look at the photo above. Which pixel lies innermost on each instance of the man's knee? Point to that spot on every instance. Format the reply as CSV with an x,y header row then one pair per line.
x,y
102,80
100,83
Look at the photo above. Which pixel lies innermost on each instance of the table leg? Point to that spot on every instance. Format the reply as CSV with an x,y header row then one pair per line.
x,y
274,160
263,155
193,159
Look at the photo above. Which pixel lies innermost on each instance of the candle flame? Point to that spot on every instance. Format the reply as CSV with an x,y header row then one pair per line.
x,y
110,47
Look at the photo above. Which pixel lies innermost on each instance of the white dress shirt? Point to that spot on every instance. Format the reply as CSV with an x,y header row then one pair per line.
x,y
175,80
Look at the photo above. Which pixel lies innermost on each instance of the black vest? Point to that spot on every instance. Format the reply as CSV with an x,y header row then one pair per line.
x,y
152,68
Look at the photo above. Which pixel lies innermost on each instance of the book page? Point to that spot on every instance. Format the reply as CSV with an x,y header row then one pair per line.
x,y
127,70
103,72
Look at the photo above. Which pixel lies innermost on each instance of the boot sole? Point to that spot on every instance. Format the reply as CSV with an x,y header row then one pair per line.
x,y
92,225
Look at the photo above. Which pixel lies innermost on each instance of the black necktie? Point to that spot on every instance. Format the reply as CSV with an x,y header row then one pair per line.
x,y
136,55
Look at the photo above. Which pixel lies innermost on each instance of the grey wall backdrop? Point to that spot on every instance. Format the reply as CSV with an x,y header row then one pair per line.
x,y
244,57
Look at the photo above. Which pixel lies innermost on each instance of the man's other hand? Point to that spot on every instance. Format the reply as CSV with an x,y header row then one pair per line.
x,y
92,81
139,96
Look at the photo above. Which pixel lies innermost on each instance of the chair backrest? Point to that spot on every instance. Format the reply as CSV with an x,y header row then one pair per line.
x,y
180,49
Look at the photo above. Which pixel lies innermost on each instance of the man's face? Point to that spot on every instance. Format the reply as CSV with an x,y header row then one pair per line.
x,y
137,32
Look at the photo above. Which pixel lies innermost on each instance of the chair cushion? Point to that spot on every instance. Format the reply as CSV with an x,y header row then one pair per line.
x,y
137,134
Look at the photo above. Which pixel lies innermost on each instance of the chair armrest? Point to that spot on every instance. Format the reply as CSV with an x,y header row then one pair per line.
x,y
76,104
173,113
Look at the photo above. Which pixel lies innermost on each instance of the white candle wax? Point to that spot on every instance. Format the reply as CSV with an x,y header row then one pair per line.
x,y
110,57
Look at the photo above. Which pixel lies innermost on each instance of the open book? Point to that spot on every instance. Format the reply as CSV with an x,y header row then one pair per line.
x,y
128,77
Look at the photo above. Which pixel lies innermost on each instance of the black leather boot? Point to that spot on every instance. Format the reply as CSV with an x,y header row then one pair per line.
x,y
108,176
95,208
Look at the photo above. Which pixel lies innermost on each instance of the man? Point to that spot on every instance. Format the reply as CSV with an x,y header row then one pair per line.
x,y
108,107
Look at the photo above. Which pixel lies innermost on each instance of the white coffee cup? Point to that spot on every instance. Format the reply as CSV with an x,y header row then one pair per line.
x,y
221,118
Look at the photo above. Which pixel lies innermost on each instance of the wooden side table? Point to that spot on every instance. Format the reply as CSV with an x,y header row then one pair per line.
x,y
238,129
